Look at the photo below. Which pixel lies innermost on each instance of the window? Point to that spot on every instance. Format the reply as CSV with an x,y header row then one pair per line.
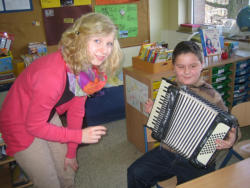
x,y
216,12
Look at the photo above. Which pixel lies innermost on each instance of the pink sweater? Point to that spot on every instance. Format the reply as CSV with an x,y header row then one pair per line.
x,y
28,104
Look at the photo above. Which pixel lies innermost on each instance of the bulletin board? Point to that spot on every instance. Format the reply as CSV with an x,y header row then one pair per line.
x,y
15,5
143,26
28,27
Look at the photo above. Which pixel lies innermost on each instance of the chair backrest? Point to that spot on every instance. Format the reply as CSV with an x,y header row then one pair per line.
x,y
242,113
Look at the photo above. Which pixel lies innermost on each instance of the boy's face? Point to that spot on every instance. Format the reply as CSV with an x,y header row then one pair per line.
x,y
187,68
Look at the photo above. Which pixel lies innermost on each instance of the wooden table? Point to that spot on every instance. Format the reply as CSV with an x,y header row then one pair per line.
x,y
236,175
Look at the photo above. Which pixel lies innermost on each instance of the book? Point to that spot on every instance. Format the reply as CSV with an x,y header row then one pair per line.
x,y
163,55
144,50
153,52
7,76
6,80
210,40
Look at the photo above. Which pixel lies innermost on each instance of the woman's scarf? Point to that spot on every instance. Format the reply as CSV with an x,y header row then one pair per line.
x,y
86,83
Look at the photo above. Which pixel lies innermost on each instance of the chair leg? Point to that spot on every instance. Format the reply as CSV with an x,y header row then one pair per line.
x,y
228,157
158,186
145,138
237,155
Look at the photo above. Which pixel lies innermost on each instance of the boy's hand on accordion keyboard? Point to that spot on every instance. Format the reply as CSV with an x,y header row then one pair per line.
x,y
228,142
148,106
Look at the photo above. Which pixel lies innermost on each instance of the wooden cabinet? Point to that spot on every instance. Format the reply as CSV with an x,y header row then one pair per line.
x,y
139,85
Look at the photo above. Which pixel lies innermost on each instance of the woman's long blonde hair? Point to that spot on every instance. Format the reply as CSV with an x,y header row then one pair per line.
x,y
74,43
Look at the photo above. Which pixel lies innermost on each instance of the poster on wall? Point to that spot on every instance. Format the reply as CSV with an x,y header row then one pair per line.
x,y
136,93
57,20
124,16
62,3
15,5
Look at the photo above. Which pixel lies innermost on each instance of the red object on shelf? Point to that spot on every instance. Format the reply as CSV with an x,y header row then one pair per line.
x,y
224,55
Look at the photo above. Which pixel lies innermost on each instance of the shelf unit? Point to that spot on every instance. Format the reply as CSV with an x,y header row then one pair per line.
x,y
224,73
136,119
9,160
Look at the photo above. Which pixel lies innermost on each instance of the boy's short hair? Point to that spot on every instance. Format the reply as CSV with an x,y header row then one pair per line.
x,y
185,47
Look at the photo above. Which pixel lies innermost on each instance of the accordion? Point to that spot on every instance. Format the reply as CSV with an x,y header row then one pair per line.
x,y
188,123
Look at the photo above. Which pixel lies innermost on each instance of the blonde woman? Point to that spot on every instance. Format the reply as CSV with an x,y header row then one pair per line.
x,y
52,85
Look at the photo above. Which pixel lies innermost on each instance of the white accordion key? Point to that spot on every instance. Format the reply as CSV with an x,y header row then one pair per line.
x,y
159,100
209,148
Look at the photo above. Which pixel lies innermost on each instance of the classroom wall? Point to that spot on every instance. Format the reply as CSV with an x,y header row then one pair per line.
x,y
158,10
163,25
163,17
159,14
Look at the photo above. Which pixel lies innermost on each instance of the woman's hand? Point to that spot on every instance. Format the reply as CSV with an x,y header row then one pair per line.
x,y
148,106
228,142
70,163
92,135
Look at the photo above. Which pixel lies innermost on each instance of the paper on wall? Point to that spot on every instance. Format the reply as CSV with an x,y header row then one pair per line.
x,y
136,93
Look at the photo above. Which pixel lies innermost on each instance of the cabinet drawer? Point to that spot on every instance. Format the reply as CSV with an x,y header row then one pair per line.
x,y
242,79
222,69
221,85
242,65
242,72
221,78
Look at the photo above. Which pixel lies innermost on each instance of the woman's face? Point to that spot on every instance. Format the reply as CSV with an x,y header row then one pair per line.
x,y
99,48
187,68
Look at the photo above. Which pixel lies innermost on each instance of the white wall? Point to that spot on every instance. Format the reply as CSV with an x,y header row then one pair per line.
x,y
158,10
172,37
158,22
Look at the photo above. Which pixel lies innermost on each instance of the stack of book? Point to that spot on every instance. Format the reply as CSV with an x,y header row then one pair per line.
x,y
189,28
35,51
155,52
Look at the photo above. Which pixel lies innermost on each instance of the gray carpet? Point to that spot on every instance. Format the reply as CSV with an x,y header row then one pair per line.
x,y
104,165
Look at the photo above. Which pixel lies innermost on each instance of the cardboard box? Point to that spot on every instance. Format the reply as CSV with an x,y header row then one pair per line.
x,y
6,64
151,68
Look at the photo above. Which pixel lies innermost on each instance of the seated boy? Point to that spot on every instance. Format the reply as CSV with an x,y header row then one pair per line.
x,y
161,163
